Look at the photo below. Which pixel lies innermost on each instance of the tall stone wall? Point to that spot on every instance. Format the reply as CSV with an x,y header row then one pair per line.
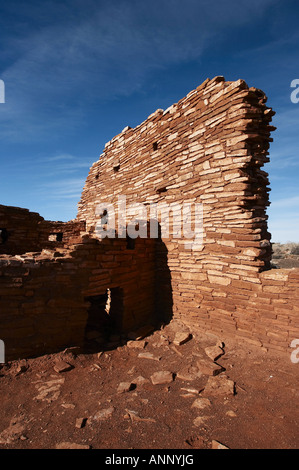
x,y
209,150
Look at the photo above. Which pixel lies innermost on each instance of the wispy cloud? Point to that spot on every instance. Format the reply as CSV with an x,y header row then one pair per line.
x,y
96,49
69,188
63,163
288,202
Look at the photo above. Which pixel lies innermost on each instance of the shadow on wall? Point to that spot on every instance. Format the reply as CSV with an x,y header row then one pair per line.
x,y
96,292
137,296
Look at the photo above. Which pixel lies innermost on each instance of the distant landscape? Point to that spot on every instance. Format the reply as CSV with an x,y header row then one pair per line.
x,y
285,255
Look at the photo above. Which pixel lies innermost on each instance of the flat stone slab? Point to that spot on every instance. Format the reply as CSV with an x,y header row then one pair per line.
x,y
181,337
61,366
140,381
80,423
214,352
218,445
71,445
162,377
136,344
148,355
125,387
208,367
219,386
188,374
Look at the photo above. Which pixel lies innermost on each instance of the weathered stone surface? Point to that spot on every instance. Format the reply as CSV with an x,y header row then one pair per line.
x,y
13,432
208,367
134,417
214,352
218,445
188,374
125,387
136,344
21,368
72,445
231,414
140,381
162,377
62,366
219,386
104,414
50,390
80,422
148,355
208,148
181,338
201,403
200,421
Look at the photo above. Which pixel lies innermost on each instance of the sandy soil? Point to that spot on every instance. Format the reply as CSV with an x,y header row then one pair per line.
x,y
251,402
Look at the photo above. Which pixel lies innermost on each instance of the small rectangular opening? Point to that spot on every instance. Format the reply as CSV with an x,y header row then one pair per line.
x,y
55,237
3,235
105,315
155,146
163,189
130,243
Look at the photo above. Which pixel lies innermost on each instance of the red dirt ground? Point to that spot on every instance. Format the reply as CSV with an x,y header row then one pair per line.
x,y
40,407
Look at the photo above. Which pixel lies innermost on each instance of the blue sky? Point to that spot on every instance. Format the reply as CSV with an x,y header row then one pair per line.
x,y
77,72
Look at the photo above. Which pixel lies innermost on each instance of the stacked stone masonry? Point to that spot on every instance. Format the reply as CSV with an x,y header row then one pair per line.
x,y
208,149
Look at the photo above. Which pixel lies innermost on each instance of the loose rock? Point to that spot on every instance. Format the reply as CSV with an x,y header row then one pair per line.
x,y
62,366
218,445
162,377
181,338
71,445
219,386
201,403
125,387
208,367
214,352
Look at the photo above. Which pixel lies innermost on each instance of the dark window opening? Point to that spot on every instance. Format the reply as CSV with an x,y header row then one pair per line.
x,y
130,243
97,176
155,146
3,235
116,168
161,190
55,237
105,315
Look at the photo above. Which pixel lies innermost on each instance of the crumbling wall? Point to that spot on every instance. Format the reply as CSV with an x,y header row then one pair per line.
x,y
44,298
23,231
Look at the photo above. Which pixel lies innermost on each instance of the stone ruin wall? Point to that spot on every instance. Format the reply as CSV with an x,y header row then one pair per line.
x,y
208,148
23,231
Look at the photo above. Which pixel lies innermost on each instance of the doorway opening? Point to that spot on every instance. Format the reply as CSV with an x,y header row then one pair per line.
x,y
105,314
